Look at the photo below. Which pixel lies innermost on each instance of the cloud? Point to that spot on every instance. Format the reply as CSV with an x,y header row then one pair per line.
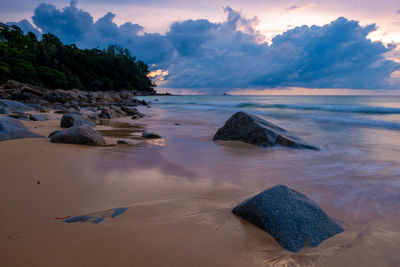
x,y
398,12
214,57
336,55
73,25
25,26
297,7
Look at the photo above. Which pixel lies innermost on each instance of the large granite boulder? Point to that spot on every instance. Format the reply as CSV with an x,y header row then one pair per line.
x,y
14,106
290,217
82,135
70,120
256,131
11,128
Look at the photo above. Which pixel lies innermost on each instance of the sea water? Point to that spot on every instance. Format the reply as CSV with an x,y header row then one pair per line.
x,y
355,176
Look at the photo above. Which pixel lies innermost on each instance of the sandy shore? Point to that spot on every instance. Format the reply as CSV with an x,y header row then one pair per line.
x,y
174,218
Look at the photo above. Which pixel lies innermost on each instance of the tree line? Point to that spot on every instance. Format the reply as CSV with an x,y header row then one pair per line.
x,y
51,64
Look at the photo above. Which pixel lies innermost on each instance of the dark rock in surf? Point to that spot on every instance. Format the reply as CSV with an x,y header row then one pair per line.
x,y
149,135
254,130
82,135
290,217
11,128
123,142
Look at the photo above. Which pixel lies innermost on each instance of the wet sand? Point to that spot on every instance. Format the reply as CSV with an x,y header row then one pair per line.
x,y
178,205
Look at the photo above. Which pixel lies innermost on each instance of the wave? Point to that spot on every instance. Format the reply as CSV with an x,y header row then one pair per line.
x,y
333,108
255,105
352,121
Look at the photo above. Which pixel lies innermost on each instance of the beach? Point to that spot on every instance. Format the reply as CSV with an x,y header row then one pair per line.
x,y
179,190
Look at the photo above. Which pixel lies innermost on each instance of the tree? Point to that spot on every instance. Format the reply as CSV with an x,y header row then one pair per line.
x,y
52,64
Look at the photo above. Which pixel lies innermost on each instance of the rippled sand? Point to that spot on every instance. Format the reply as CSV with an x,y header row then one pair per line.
x,y
179,192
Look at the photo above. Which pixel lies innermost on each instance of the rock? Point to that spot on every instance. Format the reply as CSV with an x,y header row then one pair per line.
x,y
149,135
256,131
11,84
44,110
14,106
35,117
11,128
3,93
132,112
53,133
33,90
290,217
62,111
107,113
20,116
62,96
70,120
112,113
82,135
4,110
123,142
129,111
177,123
93,116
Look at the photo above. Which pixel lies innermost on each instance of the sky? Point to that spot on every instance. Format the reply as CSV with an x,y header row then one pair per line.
x,y
216,46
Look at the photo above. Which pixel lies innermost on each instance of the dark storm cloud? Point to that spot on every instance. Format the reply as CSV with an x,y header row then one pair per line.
x,y
214,57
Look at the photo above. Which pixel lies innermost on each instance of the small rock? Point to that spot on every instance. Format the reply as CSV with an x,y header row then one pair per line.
x,y
35,117
20,116
149,135
61,111
53,133
93,116
123,142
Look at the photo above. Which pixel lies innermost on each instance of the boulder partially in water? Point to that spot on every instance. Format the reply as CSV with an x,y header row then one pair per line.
x,y
82,135
254,130
11,128
293,219
149,135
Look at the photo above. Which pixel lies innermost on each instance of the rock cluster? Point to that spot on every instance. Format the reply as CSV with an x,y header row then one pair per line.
x,y
68,98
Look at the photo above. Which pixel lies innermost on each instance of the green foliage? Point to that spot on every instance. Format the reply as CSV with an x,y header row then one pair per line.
x,y
52,64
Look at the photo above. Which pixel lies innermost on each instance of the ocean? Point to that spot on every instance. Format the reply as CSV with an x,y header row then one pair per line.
x,y
355,176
